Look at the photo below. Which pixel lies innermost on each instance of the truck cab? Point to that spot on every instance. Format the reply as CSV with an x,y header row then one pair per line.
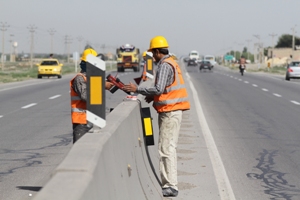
x,y
128,58
194,55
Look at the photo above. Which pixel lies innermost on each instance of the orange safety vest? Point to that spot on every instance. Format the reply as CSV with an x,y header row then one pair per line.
x,y
78,106
175,96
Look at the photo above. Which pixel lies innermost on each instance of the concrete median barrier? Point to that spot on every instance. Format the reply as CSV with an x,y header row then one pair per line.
x,y
112,163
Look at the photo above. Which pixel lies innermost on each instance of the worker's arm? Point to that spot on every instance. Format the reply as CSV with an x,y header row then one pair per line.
x,y
164,77
79,86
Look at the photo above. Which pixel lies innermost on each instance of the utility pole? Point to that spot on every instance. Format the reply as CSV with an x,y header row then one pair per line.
x,y
259,47
248,41
273,35
79,38
11,47
293,42
3,28
51,32
68,41
241,44
32,29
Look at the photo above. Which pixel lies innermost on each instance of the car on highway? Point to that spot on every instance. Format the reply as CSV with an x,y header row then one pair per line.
x,y
205,65
192,62
293,71
49,67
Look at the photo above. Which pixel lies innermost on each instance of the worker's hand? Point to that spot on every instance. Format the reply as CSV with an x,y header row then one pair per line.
x,y
149,99
130,87
108,85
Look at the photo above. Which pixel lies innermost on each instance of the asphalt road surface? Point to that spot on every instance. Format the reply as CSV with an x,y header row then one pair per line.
x,y
254,120
36,132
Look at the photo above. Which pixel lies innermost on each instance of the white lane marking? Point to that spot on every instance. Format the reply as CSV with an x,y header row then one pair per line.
x,y
246,82
224,186
29,105
240,80
1,116
295,102
55,96
254,85
277,95
231,76
23,86
264,89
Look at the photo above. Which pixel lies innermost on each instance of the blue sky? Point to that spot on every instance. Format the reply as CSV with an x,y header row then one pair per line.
x,y
208,26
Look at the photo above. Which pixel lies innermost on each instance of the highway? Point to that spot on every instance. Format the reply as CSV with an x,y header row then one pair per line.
x,y
36,132
254,120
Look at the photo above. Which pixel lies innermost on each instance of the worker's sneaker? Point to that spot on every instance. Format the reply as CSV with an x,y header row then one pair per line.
x,y
169,192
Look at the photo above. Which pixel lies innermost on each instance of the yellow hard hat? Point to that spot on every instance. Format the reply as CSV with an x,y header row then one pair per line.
x,y
145,53
158,42
87,52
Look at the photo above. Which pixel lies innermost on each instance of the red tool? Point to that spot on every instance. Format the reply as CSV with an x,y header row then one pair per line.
x,y
118,84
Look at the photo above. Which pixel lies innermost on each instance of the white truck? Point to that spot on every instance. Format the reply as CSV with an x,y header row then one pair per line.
x,y
194,55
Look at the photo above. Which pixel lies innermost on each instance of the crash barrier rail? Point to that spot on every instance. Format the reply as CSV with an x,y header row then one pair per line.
x,y
112,163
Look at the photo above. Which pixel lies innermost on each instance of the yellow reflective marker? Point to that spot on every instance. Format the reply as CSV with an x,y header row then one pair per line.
x,y
148,126
149,64
96,90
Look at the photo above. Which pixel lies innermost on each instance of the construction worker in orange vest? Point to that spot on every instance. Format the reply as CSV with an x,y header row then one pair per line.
x,y
144,74
78,98
170,99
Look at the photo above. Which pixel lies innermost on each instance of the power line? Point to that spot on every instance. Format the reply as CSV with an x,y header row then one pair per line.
x,y
3,28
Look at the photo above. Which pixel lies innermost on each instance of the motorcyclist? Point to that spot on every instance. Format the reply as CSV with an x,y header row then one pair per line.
x,y
242,65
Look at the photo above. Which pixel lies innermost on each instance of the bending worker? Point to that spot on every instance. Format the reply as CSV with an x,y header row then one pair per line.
x,y
79,97
170,98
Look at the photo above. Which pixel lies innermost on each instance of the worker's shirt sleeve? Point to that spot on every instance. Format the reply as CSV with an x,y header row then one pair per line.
x,y
79,85
164,77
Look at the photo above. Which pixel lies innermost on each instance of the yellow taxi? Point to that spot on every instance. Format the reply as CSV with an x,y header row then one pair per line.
x,y
49,67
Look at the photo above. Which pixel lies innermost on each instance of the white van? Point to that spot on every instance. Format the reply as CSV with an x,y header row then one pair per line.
x,y
194,55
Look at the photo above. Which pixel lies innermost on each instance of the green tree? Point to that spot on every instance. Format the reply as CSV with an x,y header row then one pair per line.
x,y
285,41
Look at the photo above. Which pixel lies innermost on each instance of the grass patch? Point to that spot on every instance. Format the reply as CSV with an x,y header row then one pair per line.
x,y
14,72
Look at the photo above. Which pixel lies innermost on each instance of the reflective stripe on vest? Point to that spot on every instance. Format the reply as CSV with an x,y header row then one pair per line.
x,y
78,107
175,96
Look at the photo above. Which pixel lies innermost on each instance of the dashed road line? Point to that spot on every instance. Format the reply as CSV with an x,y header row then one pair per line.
x,y
254,85
29,105
264,89
246,82
1,116
54,97
277,95
295,102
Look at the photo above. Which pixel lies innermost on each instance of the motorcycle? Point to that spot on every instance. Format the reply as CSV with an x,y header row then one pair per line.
x,y
242,69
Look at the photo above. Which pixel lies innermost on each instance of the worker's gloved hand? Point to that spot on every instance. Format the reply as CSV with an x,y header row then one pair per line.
x,y
149,99
130,87
108,85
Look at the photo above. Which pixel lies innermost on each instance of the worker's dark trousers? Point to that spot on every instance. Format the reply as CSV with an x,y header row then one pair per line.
x,y
80,129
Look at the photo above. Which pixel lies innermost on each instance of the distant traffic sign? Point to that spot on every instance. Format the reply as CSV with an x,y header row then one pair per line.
x,y
228,57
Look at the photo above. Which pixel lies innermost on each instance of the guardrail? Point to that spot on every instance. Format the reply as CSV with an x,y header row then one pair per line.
x,y
113,163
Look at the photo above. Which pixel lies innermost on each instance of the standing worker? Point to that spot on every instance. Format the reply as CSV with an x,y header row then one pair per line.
x,y
170,98
79,97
